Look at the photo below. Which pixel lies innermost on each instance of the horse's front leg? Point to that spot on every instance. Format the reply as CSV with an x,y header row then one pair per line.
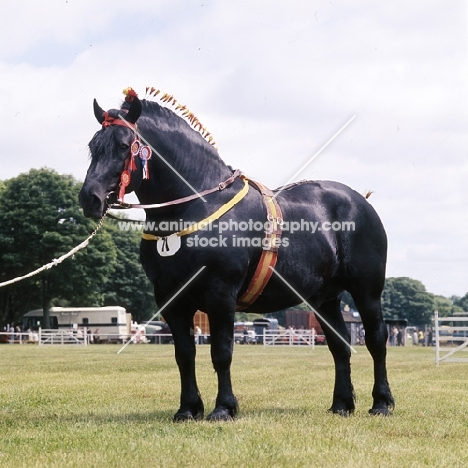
x,y
222,341
191,404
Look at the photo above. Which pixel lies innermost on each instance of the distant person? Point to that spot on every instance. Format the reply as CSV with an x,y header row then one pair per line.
x,y
18,334
399,337
198,333
245,338
427,342
421,337
415,337
362,336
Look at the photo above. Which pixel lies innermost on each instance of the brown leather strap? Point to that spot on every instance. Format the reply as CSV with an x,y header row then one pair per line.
x,y
274,216
178,201
269,255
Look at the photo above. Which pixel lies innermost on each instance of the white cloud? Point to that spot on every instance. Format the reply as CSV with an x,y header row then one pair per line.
x,y
272,82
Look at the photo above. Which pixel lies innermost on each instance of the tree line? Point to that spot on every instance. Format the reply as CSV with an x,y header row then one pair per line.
x,y
407,298
40,219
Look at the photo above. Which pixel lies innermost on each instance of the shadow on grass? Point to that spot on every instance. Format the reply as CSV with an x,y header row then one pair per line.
x,y
99,419
280,412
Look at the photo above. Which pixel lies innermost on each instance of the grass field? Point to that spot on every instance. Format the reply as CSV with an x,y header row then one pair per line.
x,y
89,407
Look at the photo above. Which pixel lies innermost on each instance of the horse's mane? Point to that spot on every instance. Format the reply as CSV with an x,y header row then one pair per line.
x,y
180,110
176,116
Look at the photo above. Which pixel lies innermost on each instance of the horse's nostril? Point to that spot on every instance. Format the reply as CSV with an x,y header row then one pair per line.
x,y
93,206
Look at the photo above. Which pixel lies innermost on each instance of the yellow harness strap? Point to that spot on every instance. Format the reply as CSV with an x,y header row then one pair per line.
x,y
207,221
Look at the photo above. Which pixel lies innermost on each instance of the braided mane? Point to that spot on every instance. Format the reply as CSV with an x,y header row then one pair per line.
x,y
182,110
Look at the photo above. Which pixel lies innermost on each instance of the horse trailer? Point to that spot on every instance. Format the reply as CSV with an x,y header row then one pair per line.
x,y
110,323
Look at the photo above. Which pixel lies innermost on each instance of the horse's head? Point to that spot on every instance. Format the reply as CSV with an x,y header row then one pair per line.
x,y
110,151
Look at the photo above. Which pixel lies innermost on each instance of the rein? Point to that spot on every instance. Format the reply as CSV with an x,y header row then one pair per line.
x,y
221,186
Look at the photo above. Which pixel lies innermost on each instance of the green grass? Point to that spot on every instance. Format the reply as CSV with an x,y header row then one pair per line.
x,y
69,406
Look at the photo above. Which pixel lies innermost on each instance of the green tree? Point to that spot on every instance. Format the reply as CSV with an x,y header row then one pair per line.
x,y
461,303
407,298
40,219
347,299
445,306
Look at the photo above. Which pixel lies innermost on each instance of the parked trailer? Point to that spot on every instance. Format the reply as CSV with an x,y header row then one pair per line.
x,y
110,323
262,324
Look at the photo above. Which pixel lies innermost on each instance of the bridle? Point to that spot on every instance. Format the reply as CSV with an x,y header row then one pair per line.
x,y
137,148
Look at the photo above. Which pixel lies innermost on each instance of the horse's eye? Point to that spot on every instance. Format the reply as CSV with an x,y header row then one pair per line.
x,y
124,146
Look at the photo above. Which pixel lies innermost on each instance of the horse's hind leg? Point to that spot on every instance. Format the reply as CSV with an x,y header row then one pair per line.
x,y
335,330
376,342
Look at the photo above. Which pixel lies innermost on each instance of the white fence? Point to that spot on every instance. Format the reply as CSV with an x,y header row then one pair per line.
x,y
67,336
42,337
289,338
13,337
450,334
62,337
81,337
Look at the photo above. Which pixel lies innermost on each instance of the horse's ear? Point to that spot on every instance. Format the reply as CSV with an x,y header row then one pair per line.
x,y
98,112
134,111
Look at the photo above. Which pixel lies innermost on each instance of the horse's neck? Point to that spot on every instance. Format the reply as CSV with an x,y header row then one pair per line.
x,y
180,167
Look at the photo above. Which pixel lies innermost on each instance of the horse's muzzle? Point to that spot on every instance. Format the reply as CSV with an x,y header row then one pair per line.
x,y
92,204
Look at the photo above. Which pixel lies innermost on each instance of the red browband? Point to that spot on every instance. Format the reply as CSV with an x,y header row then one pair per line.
x,y
108,121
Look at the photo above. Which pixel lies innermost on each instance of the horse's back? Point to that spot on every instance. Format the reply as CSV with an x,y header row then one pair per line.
x,y
333,205
334,238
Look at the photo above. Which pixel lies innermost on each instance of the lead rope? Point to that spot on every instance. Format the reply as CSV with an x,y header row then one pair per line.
x,y
57,261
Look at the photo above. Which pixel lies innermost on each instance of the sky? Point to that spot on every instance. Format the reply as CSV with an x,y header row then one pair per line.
x,y
273,82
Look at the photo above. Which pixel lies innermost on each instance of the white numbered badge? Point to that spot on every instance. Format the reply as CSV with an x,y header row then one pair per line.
x,y
168,246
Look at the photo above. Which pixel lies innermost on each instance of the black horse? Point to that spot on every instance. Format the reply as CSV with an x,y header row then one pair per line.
x,y
313,264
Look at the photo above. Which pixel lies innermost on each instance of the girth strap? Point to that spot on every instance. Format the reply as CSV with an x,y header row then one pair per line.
x,y
271,244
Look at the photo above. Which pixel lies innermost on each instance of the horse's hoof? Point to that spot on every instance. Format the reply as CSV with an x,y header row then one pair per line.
x,y
340,412
221,414
344,413
183,416
380,412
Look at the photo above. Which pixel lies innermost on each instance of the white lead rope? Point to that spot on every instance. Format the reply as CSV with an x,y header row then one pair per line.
x,y
57,261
